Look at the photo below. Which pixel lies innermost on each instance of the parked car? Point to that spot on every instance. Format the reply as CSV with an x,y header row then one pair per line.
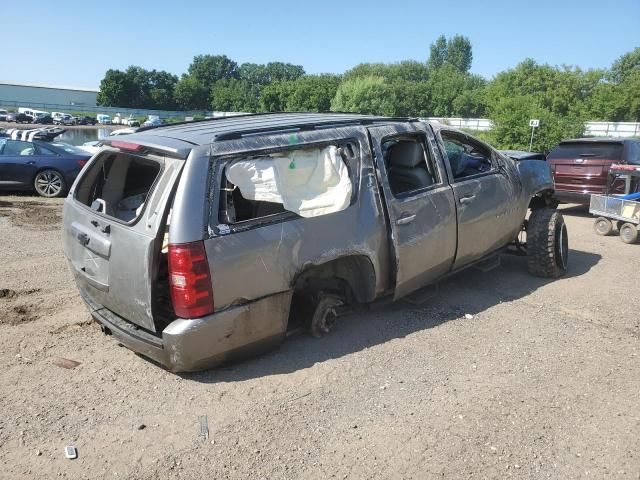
x,y
131,122
18,117
580,167
49,168
522,155
86,120
103,119
43,119
289,218
3,115
65,119
153,121
31,113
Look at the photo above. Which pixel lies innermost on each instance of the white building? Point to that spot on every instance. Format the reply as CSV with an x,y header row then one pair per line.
x,y
16,93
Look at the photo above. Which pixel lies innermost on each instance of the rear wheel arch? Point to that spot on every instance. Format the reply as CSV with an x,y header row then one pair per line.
x,y
352,275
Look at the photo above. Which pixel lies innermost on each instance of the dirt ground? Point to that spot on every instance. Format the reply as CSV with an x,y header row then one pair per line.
x,y
542,382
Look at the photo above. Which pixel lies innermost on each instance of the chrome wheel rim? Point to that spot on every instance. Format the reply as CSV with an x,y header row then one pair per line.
x,y
48,184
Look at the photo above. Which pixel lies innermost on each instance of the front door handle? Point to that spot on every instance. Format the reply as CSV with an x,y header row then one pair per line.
x,y
467,199
405,220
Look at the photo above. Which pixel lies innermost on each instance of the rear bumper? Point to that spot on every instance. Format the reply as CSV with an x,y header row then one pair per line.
x,y
572,197
198,344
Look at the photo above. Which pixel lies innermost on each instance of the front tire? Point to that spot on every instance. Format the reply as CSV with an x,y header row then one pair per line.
x,y
547,243
49,183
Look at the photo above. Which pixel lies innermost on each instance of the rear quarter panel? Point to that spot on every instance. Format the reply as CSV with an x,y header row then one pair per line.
x,y
250,264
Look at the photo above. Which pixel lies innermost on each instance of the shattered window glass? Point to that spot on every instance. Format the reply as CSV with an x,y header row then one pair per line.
x,y
309,182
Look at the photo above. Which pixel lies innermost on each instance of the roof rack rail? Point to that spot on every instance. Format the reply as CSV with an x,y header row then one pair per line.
x,y
202,120
236,134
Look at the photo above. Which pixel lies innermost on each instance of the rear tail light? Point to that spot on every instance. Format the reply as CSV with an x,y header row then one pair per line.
x,y
190,280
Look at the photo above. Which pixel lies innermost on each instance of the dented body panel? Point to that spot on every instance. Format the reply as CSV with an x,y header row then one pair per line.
x,y
380,245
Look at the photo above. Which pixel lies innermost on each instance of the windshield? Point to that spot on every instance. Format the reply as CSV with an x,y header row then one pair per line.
x,y
606,150
69,148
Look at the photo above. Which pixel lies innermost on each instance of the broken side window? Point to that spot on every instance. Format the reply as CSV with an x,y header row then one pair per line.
x,y
309,182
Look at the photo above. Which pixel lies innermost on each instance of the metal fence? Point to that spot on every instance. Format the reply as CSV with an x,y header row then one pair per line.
x,y
612,129
591,129
135,112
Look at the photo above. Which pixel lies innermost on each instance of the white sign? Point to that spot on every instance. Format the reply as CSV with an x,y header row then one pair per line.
x,y
534,122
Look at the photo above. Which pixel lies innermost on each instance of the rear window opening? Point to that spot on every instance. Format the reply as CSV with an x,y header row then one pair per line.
x,y
117,185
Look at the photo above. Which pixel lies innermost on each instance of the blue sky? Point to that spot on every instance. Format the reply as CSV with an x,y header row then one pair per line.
x,y
74,43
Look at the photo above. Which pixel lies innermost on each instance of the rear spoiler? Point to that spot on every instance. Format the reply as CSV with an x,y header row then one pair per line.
x,y
142,145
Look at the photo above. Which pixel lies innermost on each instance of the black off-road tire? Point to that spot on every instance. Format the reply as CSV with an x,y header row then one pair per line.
x,y
547,243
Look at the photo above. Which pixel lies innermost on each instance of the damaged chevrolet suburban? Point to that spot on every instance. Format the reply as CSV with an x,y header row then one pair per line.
x,y
197,243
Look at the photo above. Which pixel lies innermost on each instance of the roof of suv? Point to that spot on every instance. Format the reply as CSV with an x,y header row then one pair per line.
x,y
205,131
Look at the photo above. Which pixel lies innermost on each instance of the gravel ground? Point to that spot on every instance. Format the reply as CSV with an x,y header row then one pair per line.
x,y
542,381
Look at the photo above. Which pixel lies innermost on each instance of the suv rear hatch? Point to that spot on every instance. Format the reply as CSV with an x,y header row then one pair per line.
x,y
115,220
583,166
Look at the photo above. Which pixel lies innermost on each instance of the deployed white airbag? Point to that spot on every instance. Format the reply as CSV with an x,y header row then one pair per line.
x,y
308,182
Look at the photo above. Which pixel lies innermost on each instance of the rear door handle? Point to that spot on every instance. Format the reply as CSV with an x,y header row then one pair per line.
x,y
405,220
467,199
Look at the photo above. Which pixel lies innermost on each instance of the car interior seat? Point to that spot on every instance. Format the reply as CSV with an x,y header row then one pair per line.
x,y
407,167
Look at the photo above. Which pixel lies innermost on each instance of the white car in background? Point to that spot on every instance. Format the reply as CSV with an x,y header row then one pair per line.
x,y
130,122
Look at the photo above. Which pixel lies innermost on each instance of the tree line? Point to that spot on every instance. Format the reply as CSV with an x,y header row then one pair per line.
x,y
563,98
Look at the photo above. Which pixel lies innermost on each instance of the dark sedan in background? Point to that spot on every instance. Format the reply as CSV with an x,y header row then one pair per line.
x,y
49,168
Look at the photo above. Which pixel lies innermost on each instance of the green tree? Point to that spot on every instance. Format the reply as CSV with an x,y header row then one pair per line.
x,y
137,88
454,93
233,95
459,53
625,66
273,97
208,69
116,89
437,53
190,94
282,72
311,93
253,73
456,51
408,70
511,129
369,95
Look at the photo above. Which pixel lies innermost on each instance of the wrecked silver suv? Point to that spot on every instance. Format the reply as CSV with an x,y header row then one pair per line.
x,y
199,242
